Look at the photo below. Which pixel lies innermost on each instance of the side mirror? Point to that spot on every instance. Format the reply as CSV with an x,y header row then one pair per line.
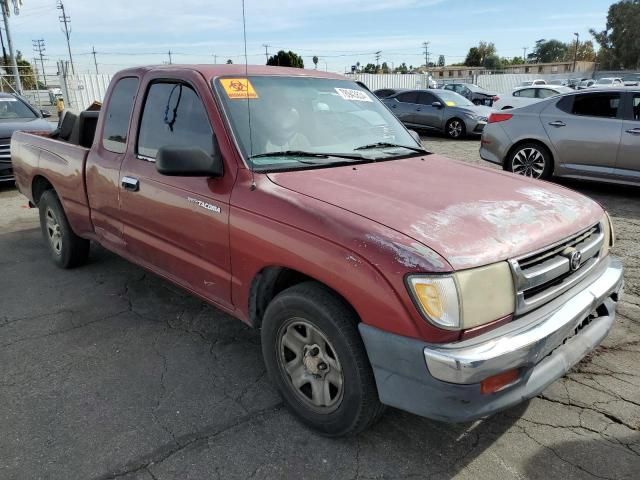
x,y
45,114
436,104
415,136
188,162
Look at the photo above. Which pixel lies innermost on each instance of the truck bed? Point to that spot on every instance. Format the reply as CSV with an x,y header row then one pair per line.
x,y
39,160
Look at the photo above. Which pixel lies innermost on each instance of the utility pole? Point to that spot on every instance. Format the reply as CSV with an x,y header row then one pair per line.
x,y
170,62
266,51
12,57
378,60
35,77
425,45
575,53
215,59
66,21
95,62
39,48
524,54
5,59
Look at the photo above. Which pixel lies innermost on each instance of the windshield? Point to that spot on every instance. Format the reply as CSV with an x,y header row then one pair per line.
x,y
452,99
11,108
605,81
313,116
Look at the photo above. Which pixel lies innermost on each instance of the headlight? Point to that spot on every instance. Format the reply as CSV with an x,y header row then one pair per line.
x,y
465,299
473,116
609,235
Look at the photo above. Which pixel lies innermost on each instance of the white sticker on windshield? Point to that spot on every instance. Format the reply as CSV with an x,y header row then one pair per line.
x,y
351,94
7,99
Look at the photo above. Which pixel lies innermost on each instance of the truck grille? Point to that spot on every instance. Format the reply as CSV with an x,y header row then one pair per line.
x,y
543,275
5,153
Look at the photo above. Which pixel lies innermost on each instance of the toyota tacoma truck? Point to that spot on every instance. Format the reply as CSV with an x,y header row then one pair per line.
x,y
378,273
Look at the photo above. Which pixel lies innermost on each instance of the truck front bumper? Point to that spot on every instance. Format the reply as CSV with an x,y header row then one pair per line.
x,y
442,381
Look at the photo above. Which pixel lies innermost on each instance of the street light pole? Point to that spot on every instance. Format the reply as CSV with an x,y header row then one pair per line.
x,y
575,53
14,63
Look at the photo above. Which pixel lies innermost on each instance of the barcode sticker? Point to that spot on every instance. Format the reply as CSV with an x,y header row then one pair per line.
x,y
351,94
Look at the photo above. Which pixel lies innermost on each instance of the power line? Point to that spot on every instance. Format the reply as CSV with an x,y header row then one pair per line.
x,y
66,21
39,48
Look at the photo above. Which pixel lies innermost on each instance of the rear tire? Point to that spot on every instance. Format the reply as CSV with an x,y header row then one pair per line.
x,y
531,159
315,357
67,250
455,129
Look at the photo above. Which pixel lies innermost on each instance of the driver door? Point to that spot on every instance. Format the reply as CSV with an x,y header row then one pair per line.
x,y
426,114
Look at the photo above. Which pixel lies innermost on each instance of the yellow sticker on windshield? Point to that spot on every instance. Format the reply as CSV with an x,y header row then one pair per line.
x,y
238,88
450,103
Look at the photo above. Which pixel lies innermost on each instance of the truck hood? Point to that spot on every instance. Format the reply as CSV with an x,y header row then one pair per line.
x,y
8,126
470,215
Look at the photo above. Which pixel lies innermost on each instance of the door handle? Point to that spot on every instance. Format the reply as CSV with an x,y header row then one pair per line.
x,y
558,123
130,183
634,131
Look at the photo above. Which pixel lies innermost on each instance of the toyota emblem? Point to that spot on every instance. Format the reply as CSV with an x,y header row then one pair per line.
x,y
575,260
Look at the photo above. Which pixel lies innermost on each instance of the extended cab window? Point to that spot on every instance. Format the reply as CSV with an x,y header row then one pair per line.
x,y
116,124
173,115
597,105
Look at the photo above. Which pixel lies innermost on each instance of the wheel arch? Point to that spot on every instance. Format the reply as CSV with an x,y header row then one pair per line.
x,y
39,185
272,280
530,140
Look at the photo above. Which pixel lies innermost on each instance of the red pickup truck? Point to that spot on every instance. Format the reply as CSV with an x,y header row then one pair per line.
x,y
378,273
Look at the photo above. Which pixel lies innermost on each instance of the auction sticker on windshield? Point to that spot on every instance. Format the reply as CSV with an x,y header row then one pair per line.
x,y
450,103
351,94
238,88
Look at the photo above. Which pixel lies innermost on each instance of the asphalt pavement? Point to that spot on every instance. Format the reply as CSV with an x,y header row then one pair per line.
x,y
110,372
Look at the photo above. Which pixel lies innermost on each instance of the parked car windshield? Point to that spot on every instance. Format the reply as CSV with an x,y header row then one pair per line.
x,y
12,108
605,81
305,118
452,99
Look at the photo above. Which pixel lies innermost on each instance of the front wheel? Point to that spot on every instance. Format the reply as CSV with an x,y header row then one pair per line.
x,y
315,357
530,160
455,128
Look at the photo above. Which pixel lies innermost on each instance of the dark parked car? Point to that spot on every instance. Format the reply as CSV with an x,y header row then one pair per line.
x,y
590,134
441,110
385,92
477,95
17,114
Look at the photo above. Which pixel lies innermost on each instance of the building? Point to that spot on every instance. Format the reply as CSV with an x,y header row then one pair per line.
x,y
452,72
551,68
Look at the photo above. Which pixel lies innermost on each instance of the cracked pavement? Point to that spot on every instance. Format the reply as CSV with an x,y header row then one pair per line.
x,y
110,372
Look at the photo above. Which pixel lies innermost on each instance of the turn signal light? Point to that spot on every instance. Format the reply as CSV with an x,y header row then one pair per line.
x,y
498,382
499,117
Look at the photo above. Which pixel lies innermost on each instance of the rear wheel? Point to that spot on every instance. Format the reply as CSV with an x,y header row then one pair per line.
x,y
67,250
530,160
455,128
315,357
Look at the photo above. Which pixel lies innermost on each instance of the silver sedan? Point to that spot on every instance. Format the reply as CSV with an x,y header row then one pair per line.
x,y
441,110
588,134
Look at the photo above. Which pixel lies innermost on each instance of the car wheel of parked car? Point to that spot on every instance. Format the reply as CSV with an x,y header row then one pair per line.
x,y
455,128
315,357
66,248
531,160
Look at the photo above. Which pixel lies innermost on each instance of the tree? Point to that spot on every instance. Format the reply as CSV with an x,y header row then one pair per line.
x,y
620,41
492,62
286,59
370,68
402,68
473,58
441,61
315,62
513,61
549,51
27,76
478,56
229,62
385,68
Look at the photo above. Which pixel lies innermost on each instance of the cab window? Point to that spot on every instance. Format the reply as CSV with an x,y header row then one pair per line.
x,y
118,114
173,115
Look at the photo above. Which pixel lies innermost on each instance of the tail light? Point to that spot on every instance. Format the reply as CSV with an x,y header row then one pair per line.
x,y
499,117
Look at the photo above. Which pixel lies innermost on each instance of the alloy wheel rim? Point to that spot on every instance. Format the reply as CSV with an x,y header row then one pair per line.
x,y
528,162
310,365
54,233
455,128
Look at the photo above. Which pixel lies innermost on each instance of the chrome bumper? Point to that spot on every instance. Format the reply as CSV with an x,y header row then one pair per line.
x,y
529,339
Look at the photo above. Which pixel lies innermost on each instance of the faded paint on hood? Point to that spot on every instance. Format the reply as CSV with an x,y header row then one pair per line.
x,y
470,215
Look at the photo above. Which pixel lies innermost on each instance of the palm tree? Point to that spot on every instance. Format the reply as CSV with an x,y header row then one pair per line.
x,y
315,61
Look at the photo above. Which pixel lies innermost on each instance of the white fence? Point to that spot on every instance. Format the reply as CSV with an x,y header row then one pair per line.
x,y
392,80
80,91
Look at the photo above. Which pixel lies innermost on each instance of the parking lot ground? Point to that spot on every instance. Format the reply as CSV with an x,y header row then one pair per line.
x,y
111,372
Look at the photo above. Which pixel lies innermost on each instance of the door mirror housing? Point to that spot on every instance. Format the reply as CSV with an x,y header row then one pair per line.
x,y
188,162
436,104
45,114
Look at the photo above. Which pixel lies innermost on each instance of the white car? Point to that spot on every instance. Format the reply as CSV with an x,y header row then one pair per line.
x,y
527,95
529,83
605,82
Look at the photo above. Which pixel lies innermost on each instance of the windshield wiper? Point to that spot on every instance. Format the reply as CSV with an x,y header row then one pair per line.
x,y
302,153
371,146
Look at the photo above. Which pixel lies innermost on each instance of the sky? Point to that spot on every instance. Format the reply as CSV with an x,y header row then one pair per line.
x,y
340,32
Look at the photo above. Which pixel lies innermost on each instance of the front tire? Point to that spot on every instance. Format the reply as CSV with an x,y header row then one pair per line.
x,y
455,129
315,357
67,250
530,159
